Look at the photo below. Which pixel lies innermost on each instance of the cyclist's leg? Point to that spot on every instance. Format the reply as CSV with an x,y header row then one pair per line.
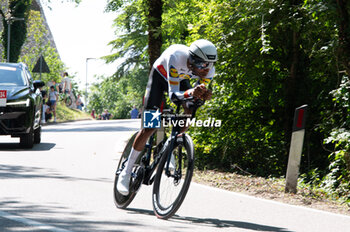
x,y
156,87
153,99
124,176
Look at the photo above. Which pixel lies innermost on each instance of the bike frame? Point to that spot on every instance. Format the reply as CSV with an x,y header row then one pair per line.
x,y
146,159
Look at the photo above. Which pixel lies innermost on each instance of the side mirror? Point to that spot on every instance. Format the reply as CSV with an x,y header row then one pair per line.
x,y
38,84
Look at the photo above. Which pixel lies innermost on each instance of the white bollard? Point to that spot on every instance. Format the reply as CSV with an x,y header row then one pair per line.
x,y
296,148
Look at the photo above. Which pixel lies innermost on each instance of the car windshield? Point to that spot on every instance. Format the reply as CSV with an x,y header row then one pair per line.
x,y
11,76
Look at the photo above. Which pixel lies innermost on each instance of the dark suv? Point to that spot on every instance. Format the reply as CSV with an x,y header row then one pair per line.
x,y
20,104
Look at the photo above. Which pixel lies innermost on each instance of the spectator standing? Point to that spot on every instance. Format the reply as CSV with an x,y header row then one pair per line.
x,y
134,113
53,97
67,83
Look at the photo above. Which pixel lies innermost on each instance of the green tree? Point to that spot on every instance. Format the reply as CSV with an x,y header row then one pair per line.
x,y
119,96
16,9
131,42
138,45
37,45
336,124
273,57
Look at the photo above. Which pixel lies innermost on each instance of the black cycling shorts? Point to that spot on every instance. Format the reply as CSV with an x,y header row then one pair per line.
x,y
156,87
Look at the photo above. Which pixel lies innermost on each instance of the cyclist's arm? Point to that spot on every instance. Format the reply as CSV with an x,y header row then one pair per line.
x,y
200,89
174,81
204,83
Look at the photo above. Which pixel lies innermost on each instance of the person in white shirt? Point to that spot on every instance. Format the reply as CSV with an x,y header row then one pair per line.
x,y
67,83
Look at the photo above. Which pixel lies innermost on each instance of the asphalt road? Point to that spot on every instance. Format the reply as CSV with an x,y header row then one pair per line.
x,y
65,184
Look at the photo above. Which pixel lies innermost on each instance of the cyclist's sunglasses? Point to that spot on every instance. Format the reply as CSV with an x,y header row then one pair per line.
x,y
200,64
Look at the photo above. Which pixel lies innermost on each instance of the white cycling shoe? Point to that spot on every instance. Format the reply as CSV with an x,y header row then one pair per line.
x,y
123,183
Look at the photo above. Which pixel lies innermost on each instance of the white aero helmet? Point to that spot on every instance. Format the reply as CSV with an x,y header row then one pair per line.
x,y
203,50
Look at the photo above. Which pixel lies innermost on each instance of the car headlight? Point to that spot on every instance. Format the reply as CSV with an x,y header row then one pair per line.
x,y
19,103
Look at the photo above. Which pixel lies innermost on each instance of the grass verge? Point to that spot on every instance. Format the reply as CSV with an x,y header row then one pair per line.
x,y
272,189
65,114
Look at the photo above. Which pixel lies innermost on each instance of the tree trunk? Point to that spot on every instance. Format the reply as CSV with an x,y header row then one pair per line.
x,y
154,18
292,81
344,34
291,87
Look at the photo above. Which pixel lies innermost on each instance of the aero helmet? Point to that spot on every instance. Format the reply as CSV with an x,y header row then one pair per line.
x,y
203,50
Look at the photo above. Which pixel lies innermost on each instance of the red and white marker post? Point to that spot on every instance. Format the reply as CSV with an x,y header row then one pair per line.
x,y
296,148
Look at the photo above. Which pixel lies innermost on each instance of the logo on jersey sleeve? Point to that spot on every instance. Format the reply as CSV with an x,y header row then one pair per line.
x,y
161,69
173,72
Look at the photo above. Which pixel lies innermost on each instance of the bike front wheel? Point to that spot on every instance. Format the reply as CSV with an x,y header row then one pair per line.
x,y
170,189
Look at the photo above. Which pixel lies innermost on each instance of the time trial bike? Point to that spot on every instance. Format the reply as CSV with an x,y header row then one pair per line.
x,y
167,165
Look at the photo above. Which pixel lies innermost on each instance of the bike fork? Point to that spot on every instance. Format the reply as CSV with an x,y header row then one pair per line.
x,y
172,143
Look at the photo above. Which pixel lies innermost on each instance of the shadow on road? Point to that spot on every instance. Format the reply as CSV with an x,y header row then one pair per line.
x,y
214,222
25,172
71,221
16,147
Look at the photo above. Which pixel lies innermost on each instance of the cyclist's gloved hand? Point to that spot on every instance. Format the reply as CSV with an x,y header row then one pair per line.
x,y
198,91
207,95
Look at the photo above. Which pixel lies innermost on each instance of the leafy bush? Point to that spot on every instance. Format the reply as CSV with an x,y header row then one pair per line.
x,y
337,179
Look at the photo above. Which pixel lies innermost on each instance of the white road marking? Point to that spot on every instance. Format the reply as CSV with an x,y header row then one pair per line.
x,y
34,224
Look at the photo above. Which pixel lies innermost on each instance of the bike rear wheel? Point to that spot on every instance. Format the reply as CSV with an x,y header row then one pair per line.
x,y
120,200
169,191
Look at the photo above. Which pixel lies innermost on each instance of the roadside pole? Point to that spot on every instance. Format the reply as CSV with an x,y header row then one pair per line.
x,y
296,148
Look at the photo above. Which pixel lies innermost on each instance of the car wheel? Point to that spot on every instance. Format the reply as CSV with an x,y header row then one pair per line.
x,y
27,140
37,135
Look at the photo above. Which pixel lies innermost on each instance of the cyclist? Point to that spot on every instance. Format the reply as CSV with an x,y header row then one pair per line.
x,y
171,72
